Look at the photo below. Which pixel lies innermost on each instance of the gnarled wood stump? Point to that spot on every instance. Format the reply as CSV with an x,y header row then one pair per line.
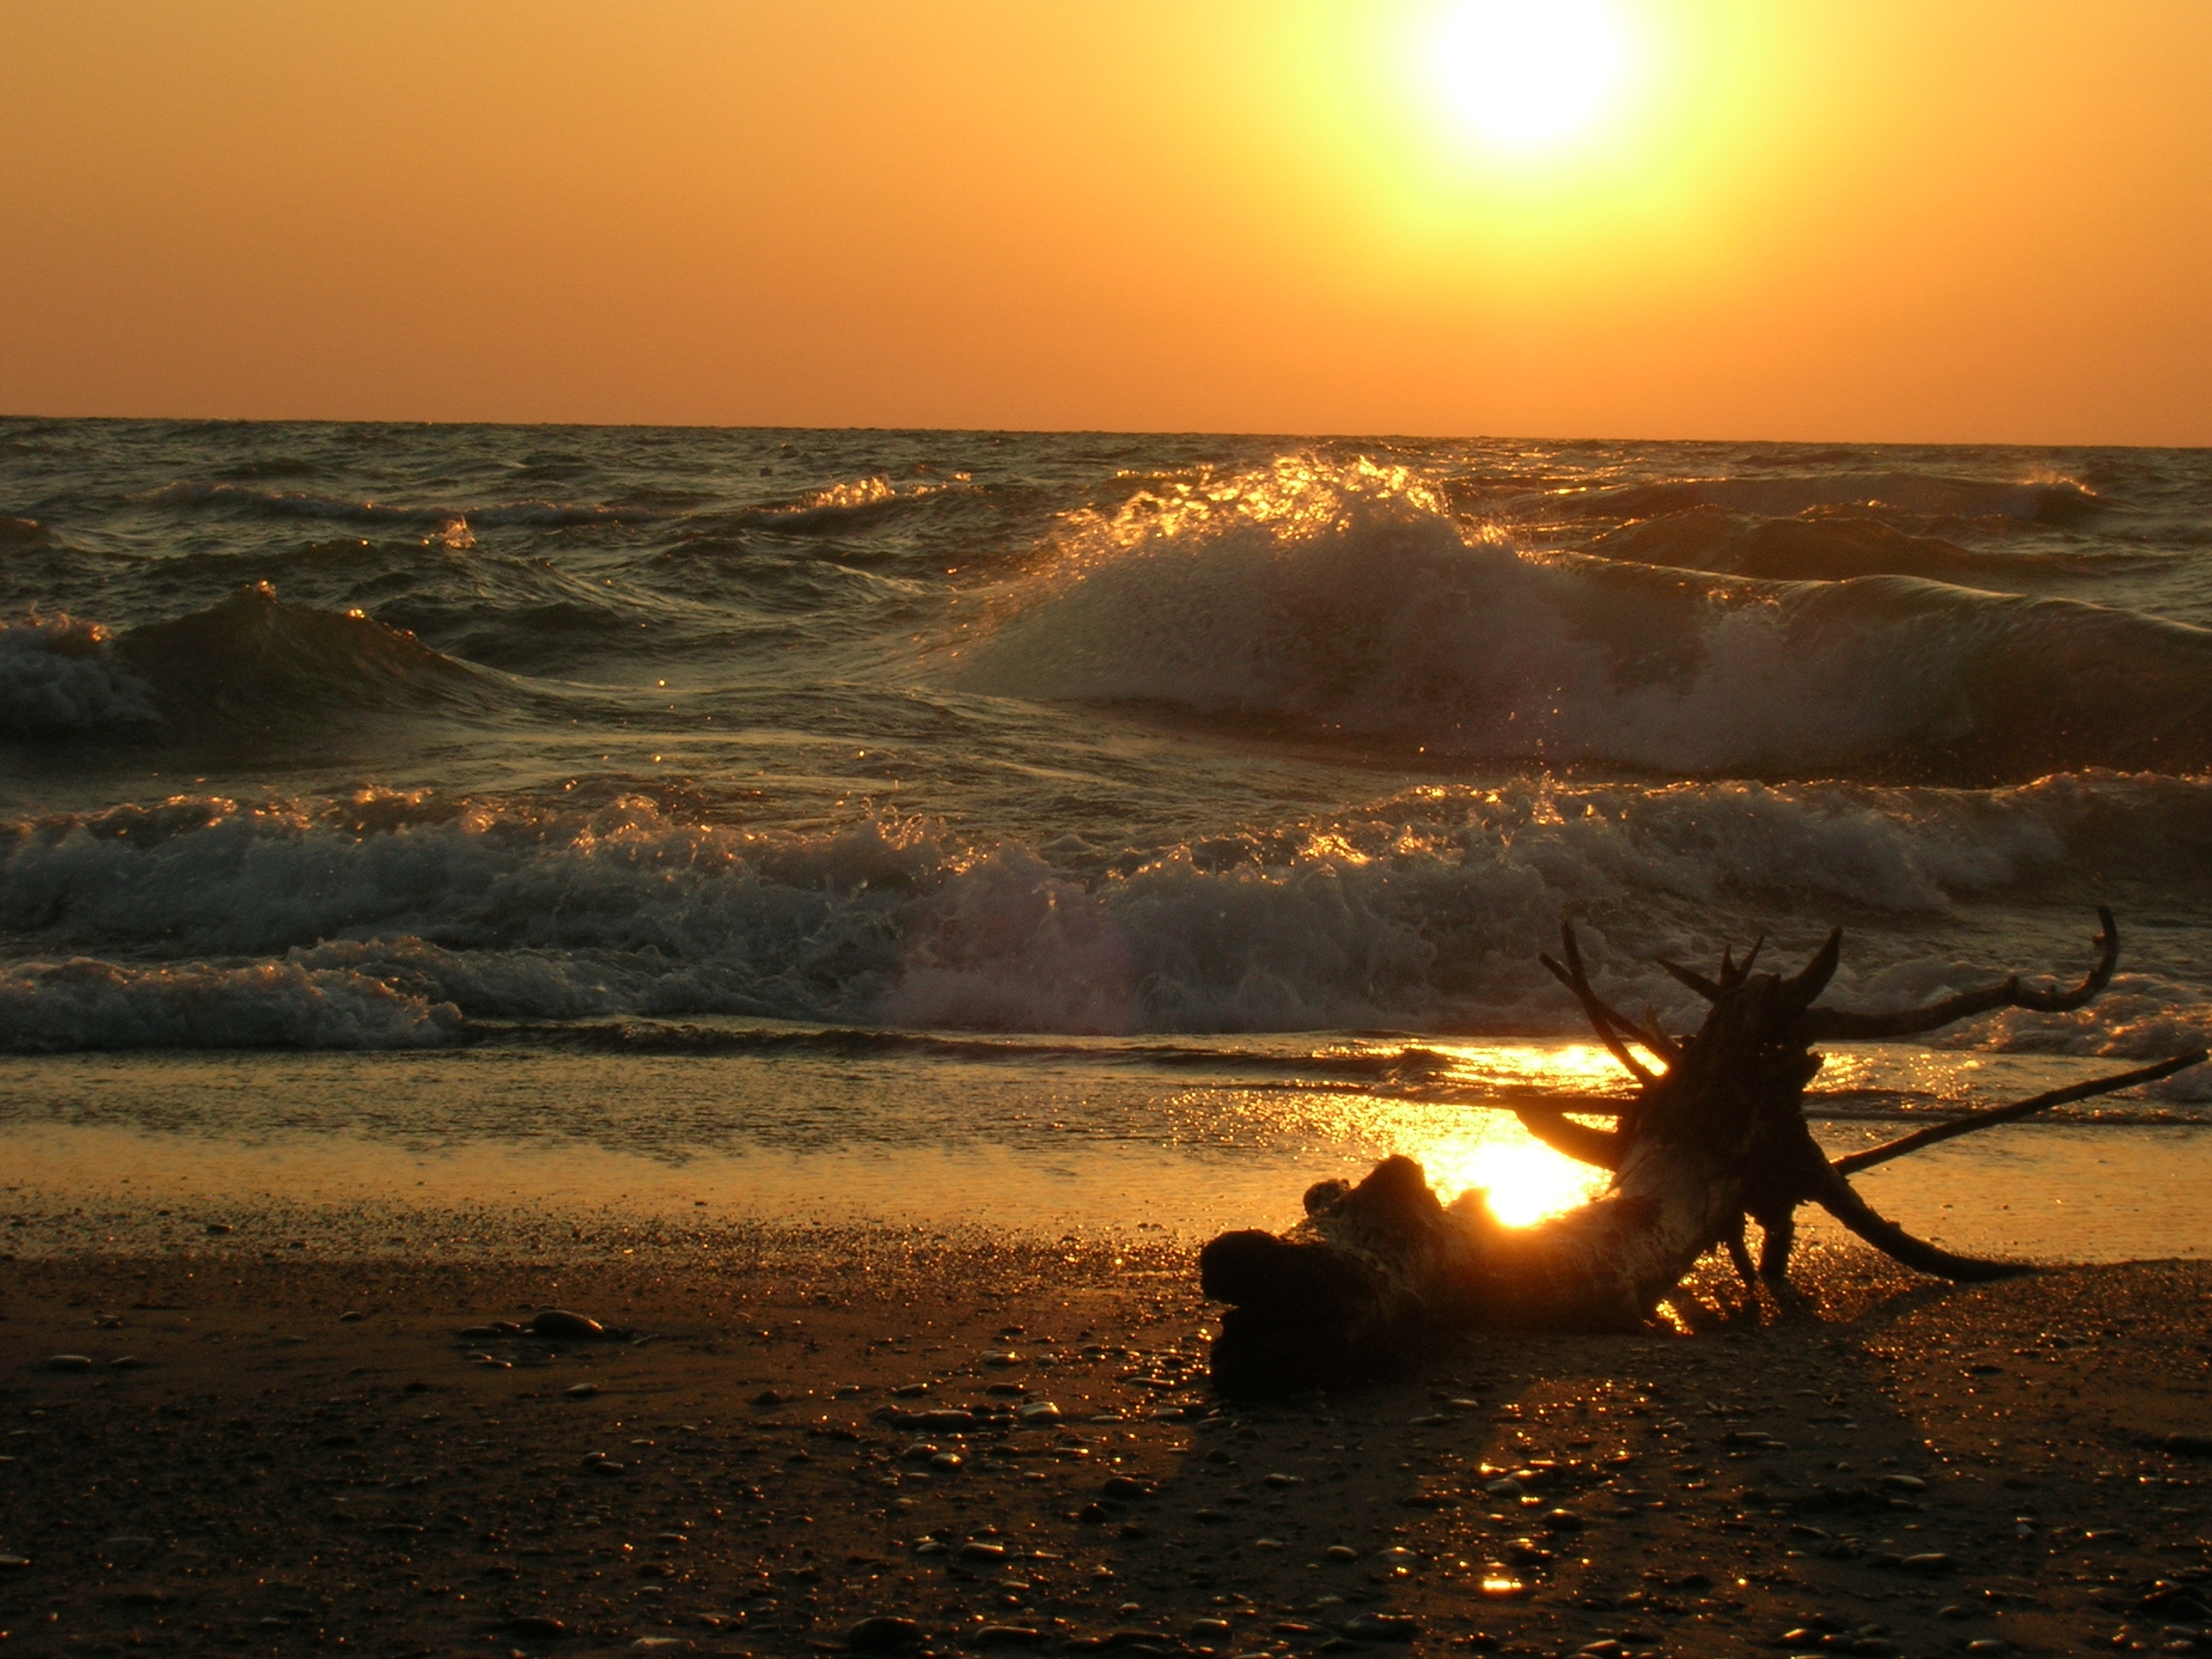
x,y
1717,1132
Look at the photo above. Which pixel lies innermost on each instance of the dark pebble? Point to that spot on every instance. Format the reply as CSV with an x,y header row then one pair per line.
x,y
1382,1627
1933,1562
882,1634
564,1326
581,1390
537,1624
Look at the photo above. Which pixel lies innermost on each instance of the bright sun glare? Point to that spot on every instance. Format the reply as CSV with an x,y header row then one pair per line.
x,y
1524,76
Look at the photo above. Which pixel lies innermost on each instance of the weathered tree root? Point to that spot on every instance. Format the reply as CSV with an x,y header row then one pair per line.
x,y
1715,1134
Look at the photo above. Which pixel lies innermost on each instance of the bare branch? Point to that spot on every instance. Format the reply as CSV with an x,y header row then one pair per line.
x,y
2007,993
2017,1109
1653,1036
1696,981
1813,978
1580,1141
1576,978
1838,1199
1742,970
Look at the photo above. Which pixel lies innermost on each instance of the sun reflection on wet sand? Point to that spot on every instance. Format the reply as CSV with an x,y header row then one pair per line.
x,y
1526,1180
1462,1145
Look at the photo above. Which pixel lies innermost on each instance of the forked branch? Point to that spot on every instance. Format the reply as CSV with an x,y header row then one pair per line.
x,y
1608,1023
2009,993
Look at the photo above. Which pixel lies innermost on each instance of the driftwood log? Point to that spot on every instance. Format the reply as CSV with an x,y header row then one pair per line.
x,y
1715,1134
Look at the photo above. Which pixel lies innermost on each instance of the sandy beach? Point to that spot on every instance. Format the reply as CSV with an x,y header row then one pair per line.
x,y
239,1446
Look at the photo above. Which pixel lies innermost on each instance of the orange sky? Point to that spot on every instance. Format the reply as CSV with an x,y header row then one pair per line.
x,y
1823,219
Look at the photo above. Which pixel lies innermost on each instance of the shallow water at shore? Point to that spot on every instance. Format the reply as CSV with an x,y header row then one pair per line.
x,y
493,1150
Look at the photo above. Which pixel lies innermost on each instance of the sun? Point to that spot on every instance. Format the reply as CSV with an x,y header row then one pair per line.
x,y
1524,77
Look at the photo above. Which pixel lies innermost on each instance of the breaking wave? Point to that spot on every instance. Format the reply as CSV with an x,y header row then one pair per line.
x,y
58,677
1423,911
1348,600
55,1008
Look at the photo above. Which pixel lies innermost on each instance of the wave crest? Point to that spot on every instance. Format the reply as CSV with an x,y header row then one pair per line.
x,y
1348,600
1421,911
254,658
52,1008
59,676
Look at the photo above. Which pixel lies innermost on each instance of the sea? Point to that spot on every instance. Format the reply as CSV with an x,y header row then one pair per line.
x,y
1067,832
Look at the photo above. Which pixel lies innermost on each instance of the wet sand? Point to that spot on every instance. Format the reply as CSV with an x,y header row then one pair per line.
x,y
271,1450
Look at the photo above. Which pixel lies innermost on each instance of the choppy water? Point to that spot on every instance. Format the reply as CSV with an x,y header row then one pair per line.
x,y
385,737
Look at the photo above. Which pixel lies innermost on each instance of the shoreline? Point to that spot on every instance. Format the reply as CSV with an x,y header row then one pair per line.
x,y
307,1456
2049,1192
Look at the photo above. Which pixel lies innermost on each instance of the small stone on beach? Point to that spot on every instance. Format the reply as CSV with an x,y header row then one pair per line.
x,y
565,1327
882,1634
1382,1628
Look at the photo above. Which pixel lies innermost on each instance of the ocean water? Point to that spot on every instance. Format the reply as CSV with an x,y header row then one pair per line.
x,y
1198,766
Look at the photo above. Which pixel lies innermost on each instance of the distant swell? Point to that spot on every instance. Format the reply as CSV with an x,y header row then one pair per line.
x,y
842,507
1825,547
304,504
1921,495
1353,605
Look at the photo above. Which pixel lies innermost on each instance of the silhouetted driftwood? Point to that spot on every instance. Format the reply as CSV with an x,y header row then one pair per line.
x,y
1715,1134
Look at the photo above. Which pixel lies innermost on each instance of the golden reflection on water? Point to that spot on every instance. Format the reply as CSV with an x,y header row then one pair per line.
x,y
1563,1069
1527,1180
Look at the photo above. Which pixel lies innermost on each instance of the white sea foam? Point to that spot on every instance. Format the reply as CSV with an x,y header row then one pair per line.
x,y
1349,599
53,1008
1423,910
57,675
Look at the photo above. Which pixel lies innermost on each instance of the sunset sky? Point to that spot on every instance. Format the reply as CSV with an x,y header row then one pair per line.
x,y
1828,219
